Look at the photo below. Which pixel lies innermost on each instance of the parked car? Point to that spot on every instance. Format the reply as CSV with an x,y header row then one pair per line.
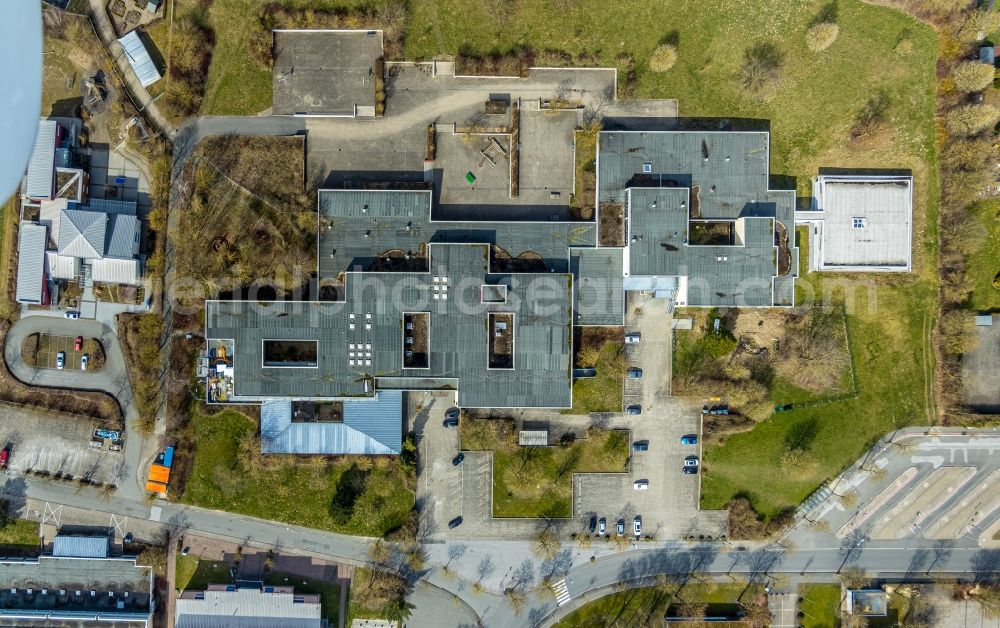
x,y
690,470
457,460
454,523
637,525
5,457
640,485
84,361
640,445
691,461
72,315
593,525
620,527
689,439
185,551
60,359
602,526
633,409
634,373
633,338
451,413
78,343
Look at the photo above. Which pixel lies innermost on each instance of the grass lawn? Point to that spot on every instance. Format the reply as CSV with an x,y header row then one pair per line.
x,y
819,606
329,592
602,393
537,481
196,573
295,490
19,534
647,606
984,264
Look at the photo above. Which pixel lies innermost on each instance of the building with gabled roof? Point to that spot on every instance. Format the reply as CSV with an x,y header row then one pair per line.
x,y
138,57
247,605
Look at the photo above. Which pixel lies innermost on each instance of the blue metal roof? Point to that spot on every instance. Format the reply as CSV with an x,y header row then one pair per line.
x,y
138,57
370,426
41,167
80,546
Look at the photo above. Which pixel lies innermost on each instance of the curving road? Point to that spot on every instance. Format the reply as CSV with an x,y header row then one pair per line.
x,y
112,379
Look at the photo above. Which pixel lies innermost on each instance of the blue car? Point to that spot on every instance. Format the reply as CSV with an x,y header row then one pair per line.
x,y
689,439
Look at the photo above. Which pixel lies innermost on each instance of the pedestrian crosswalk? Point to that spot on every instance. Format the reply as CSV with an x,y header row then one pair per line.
x,y
562,592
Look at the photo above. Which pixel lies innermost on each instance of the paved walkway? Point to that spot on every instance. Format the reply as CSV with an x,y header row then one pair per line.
x,y
141,98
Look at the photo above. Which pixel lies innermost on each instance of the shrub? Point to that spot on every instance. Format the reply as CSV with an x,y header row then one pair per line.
x,y
972,76
761,66
664,58
717,343
821,36
971,119
873,115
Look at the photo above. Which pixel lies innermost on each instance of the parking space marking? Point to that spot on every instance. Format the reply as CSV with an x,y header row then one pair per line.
x,y
51,514
970,511
875,504
906,516
118,524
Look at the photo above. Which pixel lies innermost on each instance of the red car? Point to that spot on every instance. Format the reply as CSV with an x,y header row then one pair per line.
x,y
4,457
78,343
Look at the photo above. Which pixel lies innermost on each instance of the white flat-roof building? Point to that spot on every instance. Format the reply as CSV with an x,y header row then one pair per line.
x,y
862,223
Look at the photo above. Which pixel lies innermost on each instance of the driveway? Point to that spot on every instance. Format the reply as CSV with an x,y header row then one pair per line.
x,y
112,379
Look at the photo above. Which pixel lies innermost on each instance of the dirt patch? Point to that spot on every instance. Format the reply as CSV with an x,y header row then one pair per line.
x,y
29,350
711,233
398,260
611,230
784,253
94,348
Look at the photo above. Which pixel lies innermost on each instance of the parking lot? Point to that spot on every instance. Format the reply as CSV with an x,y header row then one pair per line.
x,y
56,445
942,487
49,348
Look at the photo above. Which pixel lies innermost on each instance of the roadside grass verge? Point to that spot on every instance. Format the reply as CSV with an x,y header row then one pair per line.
x,y
647,606
820,605
195,574
376,593
359,495
983,265
537,481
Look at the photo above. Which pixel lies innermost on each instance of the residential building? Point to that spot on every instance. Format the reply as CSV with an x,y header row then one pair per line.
x,y
247,605
80,582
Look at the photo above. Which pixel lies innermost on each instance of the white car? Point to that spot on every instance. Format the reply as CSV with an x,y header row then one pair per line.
x,y
637,525
72,315
633,338
83,361
60,360
640,485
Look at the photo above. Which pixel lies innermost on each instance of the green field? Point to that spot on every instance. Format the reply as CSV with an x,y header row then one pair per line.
x,y
602,393
819,606
296,490
984,264
20,534
537,481
197,573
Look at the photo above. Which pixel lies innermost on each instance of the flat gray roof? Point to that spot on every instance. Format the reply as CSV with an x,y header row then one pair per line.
x,y
671,180
867,222
324,72
599,297
356,226
374,306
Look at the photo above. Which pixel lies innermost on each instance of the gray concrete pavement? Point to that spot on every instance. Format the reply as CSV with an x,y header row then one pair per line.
x,y
112,379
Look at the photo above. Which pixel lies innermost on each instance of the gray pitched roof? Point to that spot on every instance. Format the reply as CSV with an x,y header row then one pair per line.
x,y
81,233
30,262
370,426
122,236
138,57
41,166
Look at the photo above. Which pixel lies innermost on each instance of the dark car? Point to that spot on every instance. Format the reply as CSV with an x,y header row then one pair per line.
x,y
690,470
689,439
454,523
633,410
457,460
640,445
691,461
593,524
634,373
451,413
620,527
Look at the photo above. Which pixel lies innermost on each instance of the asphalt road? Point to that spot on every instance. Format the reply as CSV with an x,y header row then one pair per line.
x,y
112,379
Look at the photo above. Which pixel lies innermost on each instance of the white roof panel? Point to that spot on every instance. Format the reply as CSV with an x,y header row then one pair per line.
x,y
138,57
80,546
109,270
41,166
30,262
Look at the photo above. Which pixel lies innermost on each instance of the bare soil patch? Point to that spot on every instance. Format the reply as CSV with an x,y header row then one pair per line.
x,y
611,230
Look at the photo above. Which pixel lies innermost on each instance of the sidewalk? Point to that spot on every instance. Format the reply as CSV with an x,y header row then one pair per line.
x,y
106,31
